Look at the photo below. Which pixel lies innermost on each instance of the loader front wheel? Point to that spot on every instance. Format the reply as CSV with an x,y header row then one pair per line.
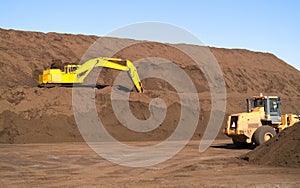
x,y
263,134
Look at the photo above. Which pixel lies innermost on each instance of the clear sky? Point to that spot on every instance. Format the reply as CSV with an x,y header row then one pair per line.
x,y
259,25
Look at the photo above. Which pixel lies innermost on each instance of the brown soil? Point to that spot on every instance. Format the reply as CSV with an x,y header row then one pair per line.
x,y
36,123
282,150
76,165
29,114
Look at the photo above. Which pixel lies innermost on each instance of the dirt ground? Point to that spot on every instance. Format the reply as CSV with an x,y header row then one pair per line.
x,y
42,146
75,164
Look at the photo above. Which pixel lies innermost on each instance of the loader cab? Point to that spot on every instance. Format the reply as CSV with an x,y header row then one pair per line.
x,y
271,105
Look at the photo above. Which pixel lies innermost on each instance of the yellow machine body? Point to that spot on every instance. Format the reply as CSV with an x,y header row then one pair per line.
x,y
57,76
75,74
262,121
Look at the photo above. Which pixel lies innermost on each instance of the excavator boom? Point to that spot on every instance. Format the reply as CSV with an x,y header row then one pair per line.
x,y
75,74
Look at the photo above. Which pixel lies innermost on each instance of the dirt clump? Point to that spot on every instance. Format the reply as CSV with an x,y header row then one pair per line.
x,y
281,150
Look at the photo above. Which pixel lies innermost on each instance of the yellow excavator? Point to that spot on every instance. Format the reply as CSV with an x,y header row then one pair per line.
x,y
262,121
75,74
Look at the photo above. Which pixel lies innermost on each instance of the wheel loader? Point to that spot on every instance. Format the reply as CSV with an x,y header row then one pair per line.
x,y
262,121
75,74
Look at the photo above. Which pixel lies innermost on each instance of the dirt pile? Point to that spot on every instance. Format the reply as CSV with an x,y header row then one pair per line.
x,y
282,150
30,114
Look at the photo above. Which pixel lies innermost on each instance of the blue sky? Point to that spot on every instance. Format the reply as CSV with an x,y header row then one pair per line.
x,y
260,25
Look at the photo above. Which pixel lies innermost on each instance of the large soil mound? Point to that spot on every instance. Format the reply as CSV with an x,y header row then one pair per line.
x,y
31,114
282,150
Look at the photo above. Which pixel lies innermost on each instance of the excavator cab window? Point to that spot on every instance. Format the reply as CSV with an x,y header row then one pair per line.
x,y
70,68
73,68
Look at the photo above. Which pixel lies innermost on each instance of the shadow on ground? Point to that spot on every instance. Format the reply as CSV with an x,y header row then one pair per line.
x,y
234,146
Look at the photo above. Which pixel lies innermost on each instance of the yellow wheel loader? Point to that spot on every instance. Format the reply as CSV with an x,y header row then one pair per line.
x,y
75,74
261,122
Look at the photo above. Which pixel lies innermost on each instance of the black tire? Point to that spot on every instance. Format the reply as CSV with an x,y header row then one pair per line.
x,y
263,134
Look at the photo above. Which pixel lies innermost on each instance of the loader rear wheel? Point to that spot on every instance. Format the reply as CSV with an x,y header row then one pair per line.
x,y
263,134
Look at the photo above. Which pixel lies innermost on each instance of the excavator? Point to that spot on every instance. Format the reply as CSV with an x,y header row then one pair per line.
x,y
75,74
262,121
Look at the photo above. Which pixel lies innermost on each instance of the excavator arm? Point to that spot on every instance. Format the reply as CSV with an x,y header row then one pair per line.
x,y
113,63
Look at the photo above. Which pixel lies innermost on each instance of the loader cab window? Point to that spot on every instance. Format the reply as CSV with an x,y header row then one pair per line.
x,y
259,103
255,102
275,107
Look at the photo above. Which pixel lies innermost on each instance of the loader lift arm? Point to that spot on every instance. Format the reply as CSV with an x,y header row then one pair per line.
x,y
71,76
